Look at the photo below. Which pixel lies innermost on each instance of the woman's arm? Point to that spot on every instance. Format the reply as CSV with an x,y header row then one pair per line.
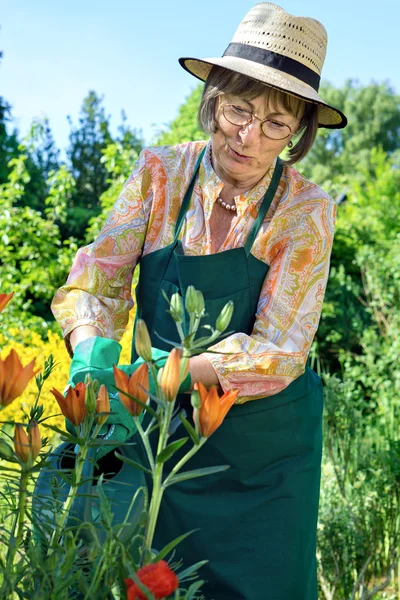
x,y
96,298
289,308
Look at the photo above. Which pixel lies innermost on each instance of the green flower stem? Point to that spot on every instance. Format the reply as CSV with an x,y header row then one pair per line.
x,y
15,540
146,442
80,460
158,488
183,461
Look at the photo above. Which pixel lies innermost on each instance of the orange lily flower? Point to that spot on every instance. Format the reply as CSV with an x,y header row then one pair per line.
x,y
27,446
213,409
102,404
73,405
136,385
14,377
171,375
5,299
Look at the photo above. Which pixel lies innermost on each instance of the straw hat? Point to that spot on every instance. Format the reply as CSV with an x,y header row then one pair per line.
x,y
280,50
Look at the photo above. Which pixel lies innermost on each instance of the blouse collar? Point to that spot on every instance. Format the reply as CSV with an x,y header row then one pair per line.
x,y
211,185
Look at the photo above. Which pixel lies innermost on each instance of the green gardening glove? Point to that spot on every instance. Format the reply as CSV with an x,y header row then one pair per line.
x,y
121,425
96,356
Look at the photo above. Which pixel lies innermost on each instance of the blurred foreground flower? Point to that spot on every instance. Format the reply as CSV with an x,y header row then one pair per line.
x,y
14,377
27,446
73,405
5,299
142,341
157,578
213,409
136,385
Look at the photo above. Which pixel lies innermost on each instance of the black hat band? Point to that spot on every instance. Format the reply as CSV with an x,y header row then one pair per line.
x,y
276,61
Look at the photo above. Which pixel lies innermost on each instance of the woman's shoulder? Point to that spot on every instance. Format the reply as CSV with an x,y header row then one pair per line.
x,y
173,158
300,189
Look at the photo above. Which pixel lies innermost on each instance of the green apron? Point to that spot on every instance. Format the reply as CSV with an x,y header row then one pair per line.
x,y
256,521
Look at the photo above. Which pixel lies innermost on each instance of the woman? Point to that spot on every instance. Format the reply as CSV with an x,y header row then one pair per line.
x,y
228,217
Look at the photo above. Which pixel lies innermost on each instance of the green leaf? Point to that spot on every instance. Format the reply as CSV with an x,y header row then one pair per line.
x,y
170,450
194,588
132,462
190,571
169,547
190,429
197,473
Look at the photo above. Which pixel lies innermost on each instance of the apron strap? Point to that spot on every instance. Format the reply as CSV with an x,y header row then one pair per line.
x,y
187,197
266,203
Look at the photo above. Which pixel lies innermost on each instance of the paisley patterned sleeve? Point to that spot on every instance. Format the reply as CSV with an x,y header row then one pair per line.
x,y
98,288
289,308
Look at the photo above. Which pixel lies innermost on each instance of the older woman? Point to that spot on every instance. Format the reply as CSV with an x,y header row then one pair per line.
x,y
229,217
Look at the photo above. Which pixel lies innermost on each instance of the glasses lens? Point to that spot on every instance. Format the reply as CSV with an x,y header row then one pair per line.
x,y
276,131
236,115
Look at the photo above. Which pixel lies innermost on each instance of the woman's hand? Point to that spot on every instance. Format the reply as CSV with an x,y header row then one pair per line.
x,y
201,370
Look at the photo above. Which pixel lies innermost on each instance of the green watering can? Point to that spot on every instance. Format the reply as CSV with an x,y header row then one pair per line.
x,y
120,482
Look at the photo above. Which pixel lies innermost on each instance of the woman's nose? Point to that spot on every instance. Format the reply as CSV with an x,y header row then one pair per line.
x,y
250,132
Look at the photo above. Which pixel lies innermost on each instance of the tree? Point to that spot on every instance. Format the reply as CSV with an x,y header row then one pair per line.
x,y
88,142
185,127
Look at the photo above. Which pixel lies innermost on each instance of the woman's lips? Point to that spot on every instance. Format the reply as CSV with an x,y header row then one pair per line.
x,y
238,157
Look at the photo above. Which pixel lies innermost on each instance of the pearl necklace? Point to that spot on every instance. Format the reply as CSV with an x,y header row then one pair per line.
x,y
230,207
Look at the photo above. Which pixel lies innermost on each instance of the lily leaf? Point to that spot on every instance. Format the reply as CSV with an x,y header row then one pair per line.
x,y
170,450
191,430
197,473
167,549
133,463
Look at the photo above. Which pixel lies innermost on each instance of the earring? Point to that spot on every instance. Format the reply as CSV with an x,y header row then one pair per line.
x,y
290,144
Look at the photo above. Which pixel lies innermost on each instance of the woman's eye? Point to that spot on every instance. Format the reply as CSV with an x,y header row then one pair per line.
x,y
240,110
276,125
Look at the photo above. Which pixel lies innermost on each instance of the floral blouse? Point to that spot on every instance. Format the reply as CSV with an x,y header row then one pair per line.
x,y
295,240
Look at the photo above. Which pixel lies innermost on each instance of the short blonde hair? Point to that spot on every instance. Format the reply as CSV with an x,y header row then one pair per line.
x,y
223,81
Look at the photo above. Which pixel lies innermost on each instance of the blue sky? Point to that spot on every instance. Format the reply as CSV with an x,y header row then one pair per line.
x,y
55,52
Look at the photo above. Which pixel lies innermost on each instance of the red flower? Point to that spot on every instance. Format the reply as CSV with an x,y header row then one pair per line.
x,y
157,578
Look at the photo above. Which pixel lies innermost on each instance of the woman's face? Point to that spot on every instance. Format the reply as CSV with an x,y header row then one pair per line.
x,y
243,154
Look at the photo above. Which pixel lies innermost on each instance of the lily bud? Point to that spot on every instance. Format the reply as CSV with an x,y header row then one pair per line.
x,y
224,317
176,307
195,399
102,404
199,303
35,440
171,375
21,444
191,299
90,398
88,379
143,341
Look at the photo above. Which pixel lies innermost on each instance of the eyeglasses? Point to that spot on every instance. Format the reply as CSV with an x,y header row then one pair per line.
x,y
236,115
